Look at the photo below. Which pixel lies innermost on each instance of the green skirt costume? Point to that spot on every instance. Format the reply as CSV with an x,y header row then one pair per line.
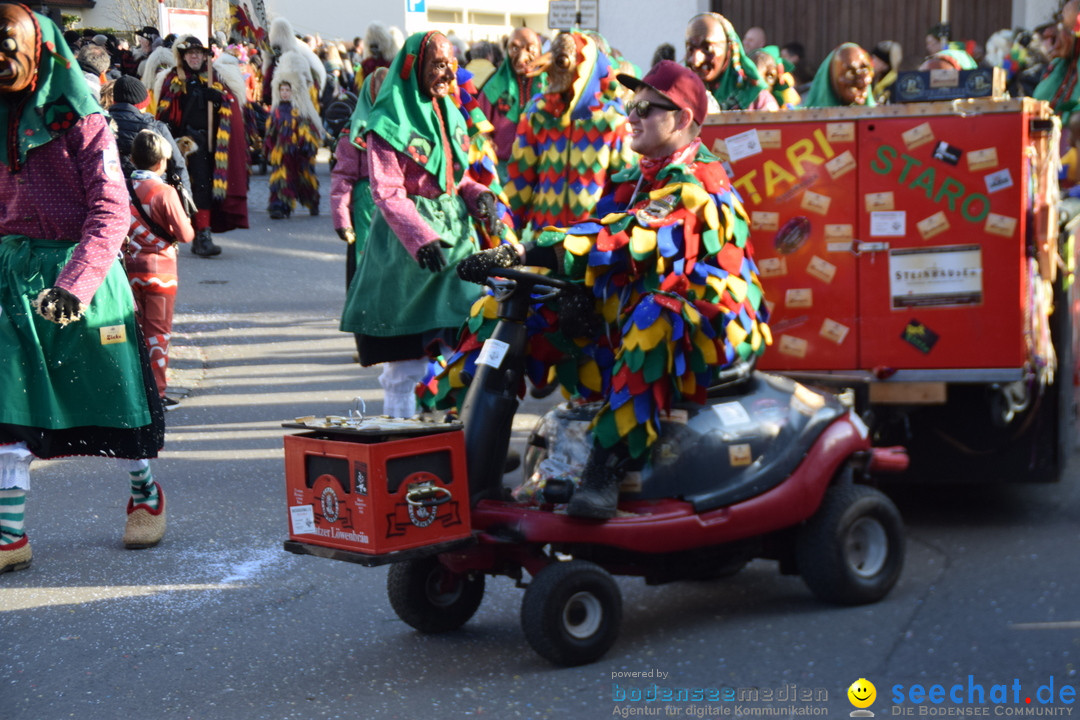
x,y
397,307
80,389
363,210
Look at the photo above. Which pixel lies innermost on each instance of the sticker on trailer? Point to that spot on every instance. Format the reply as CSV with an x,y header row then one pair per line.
x,y
997,181
799,298
982,159
765,221
821,269
919,336
793,346
770,139
947,153
834,331
839,231
891,223
933,225
841,165
493,353
918,136
719,149
816,202
1000,225
743,145
880,201
936,277
772,267
839,132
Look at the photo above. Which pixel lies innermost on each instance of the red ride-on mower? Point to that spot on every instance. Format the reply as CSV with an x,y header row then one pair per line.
x,y
768,468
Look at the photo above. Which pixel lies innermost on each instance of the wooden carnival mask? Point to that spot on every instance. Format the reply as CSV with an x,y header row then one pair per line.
x,y
18,48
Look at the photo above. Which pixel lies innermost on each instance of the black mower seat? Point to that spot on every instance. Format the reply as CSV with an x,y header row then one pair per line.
x,y
738,446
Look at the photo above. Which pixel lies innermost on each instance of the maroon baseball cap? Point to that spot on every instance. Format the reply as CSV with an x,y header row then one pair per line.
x,y
677,83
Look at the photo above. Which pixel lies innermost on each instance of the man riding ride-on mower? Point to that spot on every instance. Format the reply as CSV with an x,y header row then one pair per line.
x,y
668,289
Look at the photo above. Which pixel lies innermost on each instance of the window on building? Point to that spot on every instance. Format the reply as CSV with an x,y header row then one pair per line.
x,y
482,18
444,16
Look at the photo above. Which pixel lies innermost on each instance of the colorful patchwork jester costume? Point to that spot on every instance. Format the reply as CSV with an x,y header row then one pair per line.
x,y
670,274
565,151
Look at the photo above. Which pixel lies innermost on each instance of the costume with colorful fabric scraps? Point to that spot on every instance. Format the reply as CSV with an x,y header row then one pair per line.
x,y
74,376
570,140
218,166
483,161
406,293
670,274
292,140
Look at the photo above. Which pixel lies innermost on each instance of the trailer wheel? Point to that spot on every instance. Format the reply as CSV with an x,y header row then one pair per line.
x,y
430,597
851,551
571,612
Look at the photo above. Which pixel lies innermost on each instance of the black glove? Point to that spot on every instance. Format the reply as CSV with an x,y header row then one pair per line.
x,y
430,257
487,213
474,268
577,313
347,234
59,306
214,96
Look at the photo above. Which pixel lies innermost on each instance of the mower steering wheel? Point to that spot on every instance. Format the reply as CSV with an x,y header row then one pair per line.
x,y
526,280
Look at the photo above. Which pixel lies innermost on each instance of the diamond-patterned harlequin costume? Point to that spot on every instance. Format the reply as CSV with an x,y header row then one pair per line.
x,y
564,152
672,275
482,159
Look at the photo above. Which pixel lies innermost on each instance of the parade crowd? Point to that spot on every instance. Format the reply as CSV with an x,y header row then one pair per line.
x,y
448,160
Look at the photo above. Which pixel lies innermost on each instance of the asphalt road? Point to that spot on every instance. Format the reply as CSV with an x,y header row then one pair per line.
x,y
218,622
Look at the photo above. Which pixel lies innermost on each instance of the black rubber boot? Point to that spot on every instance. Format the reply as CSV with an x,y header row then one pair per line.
x,y
598,494
204,246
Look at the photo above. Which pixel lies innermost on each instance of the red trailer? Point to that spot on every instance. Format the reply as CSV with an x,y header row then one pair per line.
x,y
912,255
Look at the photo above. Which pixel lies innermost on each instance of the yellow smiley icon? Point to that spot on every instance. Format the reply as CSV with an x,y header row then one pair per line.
x,y
862,693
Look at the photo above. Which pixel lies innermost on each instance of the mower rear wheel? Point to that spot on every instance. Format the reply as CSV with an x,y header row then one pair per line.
x,y
430,597
571,612
851,551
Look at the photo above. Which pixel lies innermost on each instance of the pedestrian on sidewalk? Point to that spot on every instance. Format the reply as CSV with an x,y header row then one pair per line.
x,y
158,223
74,376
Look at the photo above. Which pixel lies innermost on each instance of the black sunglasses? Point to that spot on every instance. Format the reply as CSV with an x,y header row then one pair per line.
x,y
644,107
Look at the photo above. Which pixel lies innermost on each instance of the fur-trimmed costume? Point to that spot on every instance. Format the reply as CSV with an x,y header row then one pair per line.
x,y
218,167
675,290
565,151
292,139
282,39
379,51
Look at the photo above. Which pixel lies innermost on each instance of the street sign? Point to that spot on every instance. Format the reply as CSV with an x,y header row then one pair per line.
x,y
590,14
416,6
568,14
562,14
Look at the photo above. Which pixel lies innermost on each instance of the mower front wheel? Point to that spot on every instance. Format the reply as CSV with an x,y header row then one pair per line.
x,y
571,612
430,597
851,551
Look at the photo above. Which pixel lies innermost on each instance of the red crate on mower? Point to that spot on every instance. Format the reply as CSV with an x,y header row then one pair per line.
x,y
368,493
